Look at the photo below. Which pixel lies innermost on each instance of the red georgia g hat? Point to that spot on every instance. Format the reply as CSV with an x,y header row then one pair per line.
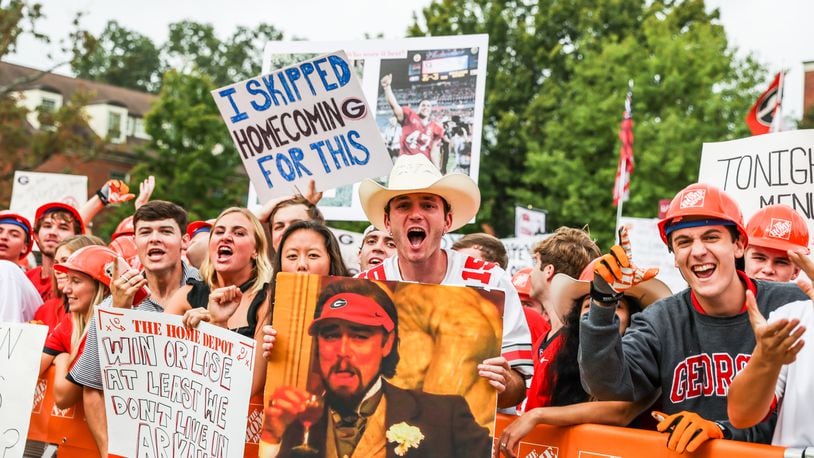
x,y
354,308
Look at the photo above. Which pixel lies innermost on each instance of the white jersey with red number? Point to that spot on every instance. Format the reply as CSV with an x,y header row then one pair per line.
x,y
465,270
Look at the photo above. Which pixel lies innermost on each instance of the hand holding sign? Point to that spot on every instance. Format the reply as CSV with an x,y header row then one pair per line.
x,y
805,263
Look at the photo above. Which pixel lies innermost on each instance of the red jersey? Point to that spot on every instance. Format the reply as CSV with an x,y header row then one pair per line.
x,y
50,313
542,382
418,137
43,285
59,340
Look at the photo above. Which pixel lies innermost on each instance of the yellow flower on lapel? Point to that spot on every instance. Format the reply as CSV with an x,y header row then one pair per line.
x,y
405,435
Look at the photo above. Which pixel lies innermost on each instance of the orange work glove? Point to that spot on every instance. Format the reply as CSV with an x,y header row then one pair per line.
x,y
617,269
688,430
114,192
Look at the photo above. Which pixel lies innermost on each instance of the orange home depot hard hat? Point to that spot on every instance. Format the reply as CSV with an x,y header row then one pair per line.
x,y
97,262
125,227
779,227
704,201
522,281
125,246
9,217
54,206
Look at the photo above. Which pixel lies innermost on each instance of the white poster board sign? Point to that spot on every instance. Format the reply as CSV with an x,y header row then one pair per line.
x,y
32,189
764,170
307,121
520,251
170,390
650,251
447,72
528,222
20,350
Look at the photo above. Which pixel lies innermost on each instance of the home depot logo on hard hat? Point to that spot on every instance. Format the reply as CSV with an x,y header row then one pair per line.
x,y
693,199
780,229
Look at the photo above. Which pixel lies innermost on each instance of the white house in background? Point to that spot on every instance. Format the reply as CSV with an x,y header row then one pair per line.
x,y
113,113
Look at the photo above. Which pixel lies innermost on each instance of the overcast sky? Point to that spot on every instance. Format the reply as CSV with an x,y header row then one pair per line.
x,y
780,33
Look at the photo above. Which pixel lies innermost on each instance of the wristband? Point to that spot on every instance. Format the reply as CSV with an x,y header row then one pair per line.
x,y
724,430
102,197
604,297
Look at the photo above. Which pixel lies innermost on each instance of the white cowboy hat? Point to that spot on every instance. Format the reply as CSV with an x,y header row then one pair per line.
x,y
414,174
564,289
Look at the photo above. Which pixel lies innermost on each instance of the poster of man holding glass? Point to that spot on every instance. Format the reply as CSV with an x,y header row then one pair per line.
x,y
358,412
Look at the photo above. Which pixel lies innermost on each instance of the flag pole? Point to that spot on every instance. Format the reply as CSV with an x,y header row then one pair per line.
x,y
620,190
778,107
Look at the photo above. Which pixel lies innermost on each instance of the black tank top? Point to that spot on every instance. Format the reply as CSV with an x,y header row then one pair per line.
x,y
198,297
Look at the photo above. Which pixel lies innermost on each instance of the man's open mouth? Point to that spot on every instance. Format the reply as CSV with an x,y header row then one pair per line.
x,y
416,235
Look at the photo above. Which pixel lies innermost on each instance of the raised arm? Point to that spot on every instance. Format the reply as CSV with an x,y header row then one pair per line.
x,y
391,97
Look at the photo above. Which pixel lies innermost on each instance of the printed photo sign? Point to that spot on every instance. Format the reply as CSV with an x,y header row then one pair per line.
x,y
401,344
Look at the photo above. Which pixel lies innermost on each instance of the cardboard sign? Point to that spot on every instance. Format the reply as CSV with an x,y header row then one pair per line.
x,y
763,170
528,222
650,251
306,121
171,390
448,73
434,357
20,346
32,189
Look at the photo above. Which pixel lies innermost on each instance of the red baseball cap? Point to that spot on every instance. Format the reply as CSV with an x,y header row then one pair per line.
x,y
354,308
55,206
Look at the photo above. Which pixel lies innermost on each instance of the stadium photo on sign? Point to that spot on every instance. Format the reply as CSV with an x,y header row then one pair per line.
x,y
426,95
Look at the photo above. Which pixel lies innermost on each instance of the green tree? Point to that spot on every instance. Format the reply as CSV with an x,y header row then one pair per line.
x,y
65,130
121,57
558,75
193,46
190,153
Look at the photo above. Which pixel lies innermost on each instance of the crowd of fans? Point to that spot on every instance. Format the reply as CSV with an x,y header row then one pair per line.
x,y
587,338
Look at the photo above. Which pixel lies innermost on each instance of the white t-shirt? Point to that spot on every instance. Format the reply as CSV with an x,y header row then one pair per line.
x,y
795,385
465,270
19,300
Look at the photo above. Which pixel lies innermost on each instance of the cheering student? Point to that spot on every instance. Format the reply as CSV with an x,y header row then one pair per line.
x,y
691,344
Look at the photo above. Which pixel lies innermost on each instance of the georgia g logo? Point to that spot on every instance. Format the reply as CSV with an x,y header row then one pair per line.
x,y
339,303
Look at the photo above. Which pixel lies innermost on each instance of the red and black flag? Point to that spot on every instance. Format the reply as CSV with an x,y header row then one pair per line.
x,y
762,114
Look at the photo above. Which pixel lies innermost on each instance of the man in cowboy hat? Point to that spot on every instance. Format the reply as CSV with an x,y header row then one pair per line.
x,y
417,208
691,344
356,329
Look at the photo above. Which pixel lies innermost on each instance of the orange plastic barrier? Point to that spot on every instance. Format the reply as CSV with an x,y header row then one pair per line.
x,y
65,428
596,441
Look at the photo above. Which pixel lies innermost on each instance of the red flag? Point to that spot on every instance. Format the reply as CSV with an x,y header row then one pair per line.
x,y
621,190
761,115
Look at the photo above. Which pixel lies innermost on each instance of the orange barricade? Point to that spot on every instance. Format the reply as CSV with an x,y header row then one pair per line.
x,y
596,441
65,428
